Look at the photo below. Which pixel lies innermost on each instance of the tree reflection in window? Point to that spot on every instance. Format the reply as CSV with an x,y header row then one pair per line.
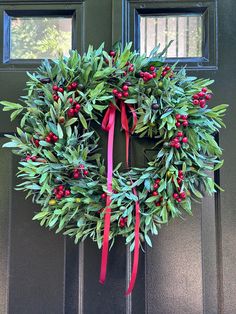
x,y
40,37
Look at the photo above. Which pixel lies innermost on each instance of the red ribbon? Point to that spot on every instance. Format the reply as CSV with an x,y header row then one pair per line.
x,y
108,124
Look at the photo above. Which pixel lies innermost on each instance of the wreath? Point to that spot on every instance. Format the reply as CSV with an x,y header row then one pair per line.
x,y
68,104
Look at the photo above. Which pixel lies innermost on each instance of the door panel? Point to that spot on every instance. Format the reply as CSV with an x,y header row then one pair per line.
x,y
191,267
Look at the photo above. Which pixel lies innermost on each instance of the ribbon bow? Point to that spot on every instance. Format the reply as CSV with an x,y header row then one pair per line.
x,y
108,124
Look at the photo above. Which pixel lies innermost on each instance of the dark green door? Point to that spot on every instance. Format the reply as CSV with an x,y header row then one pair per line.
x,y
191,267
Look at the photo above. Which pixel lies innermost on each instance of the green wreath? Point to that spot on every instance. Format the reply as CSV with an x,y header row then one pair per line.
x,y
59,142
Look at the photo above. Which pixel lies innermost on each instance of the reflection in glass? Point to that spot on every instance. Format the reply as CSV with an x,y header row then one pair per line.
x,y
40,37
185,30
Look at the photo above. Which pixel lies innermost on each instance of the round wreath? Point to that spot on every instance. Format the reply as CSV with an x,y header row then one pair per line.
x,y
59,143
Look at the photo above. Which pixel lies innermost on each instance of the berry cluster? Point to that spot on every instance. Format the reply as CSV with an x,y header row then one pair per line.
x,y
176,141
123,222
155,192
181,120
123,93
80,171
74,109
201,98
179,196
180,177
72,86
147,76
167,70
57,89
60,191
51,138
29,157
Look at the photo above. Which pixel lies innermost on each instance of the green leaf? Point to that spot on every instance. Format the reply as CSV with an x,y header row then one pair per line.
x,y
83,121
59,130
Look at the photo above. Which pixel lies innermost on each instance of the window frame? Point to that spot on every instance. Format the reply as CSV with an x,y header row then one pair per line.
x,y
75,11
129,24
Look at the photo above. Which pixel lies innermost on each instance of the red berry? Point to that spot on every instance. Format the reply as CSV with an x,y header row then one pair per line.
x,y
71,100
158,203
119,95
180,172
33,158
60,193
70,112
67,192
167,68
154,193
60,89
154,74
69,87
185,123
164,73
178,124
55,97
76,175
152,68
196,102
125,88
36,142
141,74
177,116
85,172
175,195
172,144
195,96
77,107
179,180
184,117
208,96
103,196
81,166
55,138
157,181
185,140
114,91
177,145
74,85
201,94
155,186
180,134
112,53
176,140
131,69
179,200
125,73
55,87
48,139
202,102
204,89
51,134
60,187
126,94
58,196
182,195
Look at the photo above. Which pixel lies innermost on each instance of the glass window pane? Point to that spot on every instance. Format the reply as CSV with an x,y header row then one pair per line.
x,y
185,30
40,37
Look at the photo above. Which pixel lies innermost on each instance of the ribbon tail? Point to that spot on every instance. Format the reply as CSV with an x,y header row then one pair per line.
x,y
105,246
136,247
125,126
